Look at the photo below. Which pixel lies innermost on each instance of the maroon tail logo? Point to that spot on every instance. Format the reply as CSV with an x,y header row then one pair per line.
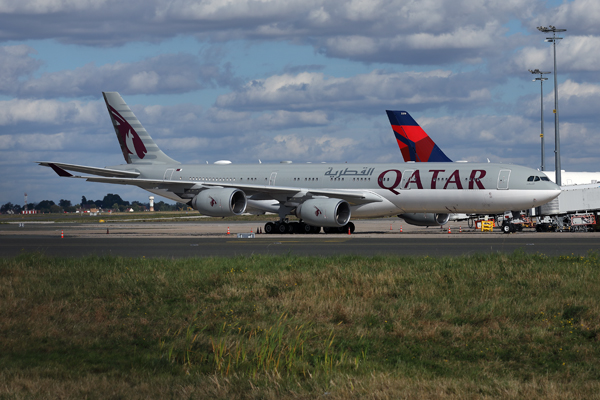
x,y
213,202
129,137
317,211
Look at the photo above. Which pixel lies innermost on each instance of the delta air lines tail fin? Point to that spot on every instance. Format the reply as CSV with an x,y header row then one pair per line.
x,y
415,144
136,144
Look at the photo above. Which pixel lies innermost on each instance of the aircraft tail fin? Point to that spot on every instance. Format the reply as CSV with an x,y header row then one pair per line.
x,y
415,144
136,144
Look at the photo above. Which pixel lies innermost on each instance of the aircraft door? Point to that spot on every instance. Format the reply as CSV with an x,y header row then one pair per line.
x,y
503,177
405,178
272,178
168,174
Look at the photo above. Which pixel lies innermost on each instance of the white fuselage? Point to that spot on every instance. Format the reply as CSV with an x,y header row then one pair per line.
x,y
398,188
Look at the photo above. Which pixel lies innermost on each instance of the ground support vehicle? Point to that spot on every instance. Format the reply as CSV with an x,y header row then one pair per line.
x,y
576,209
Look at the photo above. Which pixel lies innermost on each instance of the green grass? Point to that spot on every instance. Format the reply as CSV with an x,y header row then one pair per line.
x,y
274,327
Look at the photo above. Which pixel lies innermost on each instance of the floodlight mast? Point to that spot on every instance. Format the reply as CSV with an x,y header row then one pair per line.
x,y
553,39
541,79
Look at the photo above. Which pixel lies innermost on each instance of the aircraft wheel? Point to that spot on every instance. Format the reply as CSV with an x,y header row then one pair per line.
x,y
291,227
315,230
326,229
282,228
305,228
269,227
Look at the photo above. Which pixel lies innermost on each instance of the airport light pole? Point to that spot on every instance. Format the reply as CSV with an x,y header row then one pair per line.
x,y
541,79
553,40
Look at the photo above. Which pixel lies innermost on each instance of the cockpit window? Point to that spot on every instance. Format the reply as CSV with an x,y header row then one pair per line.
x,y
538,178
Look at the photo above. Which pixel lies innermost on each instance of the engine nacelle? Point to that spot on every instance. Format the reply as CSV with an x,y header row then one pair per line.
x,y
425,219
330,213
220,202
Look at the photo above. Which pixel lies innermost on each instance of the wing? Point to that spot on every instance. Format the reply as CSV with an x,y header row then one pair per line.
x,y
62,168
188,189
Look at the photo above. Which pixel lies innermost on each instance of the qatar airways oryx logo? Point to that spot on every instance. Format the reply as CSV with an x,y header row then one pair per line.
x,y
317,211
213,202
130,140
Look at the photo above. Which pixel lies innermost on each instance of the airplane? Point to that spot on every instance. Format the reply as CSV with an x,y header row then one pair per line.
x,y
321,195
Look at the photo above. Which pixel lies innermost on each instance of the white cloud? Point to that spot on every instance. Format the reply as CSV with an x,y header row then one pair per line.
x,y
50,6
581,16
321,148
364,92
15,63
53,112
397,31
573,54
143,81
166,73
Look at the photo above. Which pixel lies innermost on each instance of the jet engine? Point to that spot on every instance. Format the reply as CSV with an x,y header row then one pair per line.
x,y
331,213
224,202
425,219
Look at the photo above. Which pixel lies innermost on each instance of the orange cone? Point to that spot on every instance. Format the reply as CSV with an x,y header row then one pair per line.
x,y
390,227
400,228
349,231
460,229
250,230
228,230
449,231
62,236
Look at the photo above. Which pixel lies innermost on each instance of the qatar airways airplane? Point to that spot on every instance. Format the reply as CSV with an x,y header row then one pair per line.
x,y
320,195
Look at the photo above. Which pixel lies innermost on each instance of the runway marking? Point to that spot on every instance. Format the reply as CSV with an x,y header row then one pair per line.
x,y
253,241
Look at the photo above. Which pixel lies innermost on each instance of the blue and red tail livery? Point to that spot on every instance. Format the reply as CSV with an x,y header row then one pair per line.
x,y
414,143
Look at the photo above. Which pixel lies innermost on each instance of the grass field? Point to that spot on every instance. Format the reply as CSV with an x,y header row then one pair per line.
x,y
492,326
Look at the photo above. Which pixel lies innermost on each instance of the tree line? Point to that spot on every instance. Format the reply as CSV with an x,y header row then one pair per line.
x,y
111,201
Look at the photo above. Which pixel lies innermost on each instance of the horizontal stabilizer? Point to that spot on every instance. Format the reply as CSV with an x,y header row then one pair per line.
x,y
86,170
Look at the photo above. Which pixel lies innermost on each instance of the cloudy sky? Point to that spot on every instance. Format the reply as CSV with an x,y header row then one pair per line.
x,y
300,80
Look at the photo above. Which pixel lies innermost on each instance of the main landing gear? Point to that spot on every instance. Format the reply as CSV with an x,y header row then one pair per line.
x,y
282,227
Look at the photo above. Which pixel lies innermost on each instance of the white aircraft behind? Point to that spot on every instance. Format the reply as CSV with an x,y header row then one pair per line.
x,y
320,195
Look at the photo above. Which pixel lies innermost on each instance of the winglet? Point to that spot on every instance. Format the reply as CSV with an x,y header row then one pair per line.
x,y
415,144
59,170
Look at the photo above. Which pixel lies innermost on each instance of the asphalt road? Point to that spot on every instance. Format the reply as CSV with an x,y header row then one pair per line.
x,y
322,245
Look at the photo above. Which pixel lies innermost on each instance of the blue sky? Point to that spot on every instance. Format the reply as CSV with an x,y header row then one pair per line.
x,y
288,79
